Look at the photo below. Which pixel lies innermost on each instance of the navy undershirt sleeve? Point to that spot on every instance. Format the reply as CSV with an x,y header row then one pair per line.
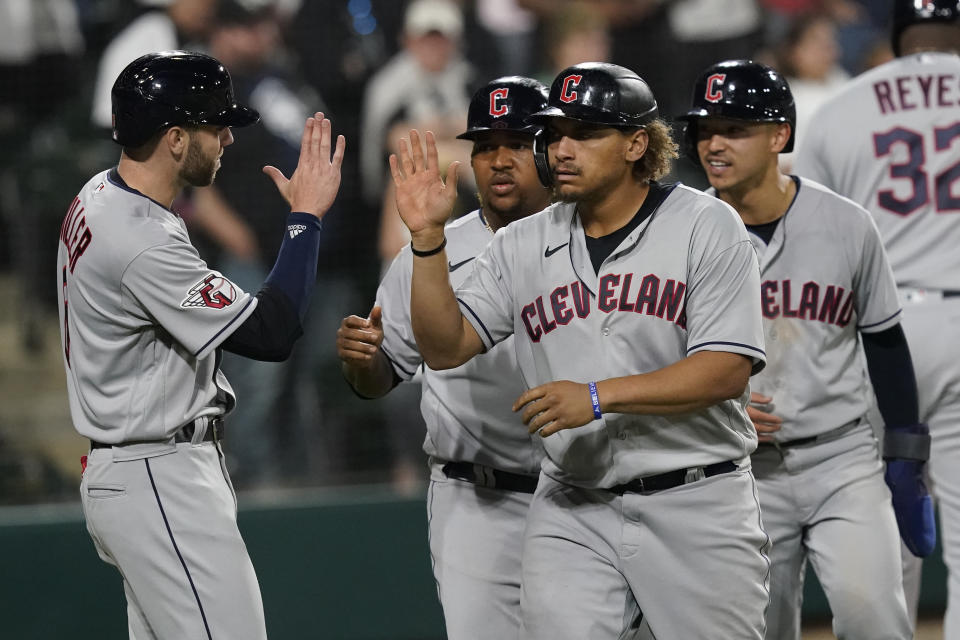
x,y
892,375
295,271
270,331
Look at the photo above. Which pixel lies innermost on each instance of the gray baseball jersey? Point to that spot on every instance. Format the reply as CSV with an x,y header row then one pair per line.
x,y
824,277
476,533
685,280
141,315
890,141
467,410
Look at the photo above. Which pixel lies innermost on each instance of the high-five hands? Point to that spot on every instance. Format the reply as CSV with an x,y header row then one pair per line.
x,y
423,200
555,406
315,182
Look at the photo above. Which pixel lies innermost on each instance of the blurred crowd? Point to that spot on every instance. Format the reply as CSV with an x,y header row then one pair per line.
x,y
376,68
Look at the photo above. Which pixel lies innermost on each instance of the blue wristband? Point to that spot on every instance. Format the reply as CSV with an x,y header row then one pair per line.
x,y
592,386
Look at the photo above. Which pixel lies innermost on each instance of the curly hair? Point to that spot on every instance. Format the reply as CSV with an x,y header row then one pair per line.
x,y
660,154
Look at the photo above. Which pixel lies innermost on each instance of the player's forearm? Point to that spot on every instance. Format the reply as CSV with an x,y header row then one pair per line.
x,y
295,270
891,373
438,323
268,334
372,381
704,379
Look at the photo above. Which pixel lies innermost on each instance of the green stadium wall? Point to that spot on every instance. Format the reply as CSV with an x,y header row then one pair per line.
x,y
349,563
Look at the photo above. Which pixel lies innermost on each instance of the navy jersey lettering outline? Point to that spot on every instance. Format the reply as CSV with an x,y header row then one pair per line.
x,y
561,312
541,317
830,304
605,300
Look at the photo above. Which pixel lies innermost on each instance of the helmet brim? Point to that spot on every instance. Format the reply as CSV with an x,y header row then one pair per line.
x,y
540,117
236,116
693,114
585,115
473,134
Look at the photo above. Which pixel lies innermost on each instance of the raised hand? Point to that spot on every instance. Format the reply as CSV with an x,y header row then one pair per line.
x,y
423,200
764,422
315,182
358,339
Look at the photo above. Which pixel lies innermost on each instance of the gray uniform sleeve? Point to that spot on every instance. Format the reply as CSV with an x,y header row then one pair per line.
x,y
486,297
393,296
810,160
723,301
878,306
196,305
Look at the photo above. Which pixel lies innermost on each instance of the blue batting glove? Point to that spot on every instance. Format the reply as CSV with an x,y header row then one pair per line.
x,y
905,450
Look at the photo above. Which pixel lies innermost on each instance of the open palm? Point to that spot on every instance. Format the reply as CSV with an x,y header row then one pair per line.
x,y
315,182
423,200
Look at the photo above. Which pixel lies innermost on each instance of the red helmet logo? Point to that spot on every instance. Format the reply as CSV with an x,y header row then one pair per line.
x,y
567,94
713,94
497,108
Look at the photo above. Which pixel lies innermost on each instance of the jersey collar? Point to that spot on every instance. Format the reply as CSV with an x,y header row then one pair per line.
x,y
113,176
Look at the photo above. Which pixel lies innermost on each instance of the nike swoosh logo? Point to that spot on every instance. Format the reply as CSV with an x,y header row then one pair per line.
x,y
454,267
549,252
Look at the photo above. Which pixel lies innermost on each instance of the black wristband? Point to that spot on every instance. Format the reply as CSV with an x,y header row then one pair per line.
x,y
431,252
910,442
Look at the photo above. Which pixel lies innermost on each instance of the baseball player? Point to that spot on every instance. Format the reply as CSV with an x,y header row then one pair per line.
x,y
143,322
890,141
825,280
484,464
635,312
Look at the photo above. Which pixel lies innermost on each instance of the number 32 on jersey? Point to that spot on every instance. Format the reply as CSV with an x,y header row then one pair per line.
x,y
913,169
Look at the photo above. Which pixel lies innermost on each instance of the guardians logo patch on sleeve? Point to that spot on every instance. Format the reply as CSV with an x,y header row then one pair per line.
x,y
213,292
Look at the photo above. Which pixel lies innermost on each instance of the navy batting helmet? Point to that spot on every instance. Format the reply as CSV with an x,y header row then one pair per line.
x,y
740,90
503,105
910,12
597,93
169,88
600,93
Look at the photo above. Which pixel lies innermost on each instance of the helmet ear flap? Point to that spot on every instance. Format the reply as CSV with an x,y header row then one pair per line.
x,y
540,158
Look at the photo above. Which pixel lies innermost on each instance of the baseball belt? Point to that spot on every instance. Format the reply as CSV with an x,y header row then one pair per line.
x,y
833,434
214,433
672,479
489,477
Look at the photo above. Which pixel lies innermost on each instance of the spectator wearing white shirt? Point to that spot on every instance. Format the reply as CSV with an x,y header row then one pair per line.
x,y
174,26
